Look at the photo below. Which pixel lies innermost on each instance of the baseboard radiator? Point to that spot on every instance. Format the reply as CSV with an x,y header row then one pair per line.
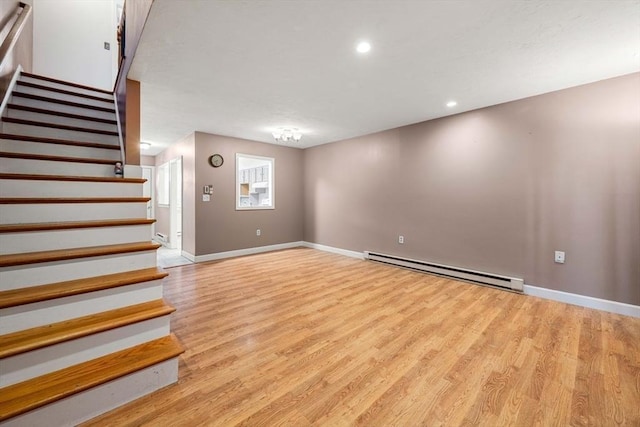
x,y
490,279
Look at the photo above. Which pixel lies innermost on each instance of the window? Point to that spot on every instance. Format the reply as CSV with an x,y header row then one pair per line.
x,y
162,185
254,182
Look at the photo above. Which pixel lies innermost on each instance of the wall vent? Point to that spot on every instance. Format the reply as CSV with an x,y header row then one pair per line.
x,y
504,282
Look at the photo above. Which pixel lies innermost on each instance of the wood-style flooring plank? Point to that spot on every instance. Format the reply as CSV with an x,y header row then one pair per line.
x,y
301,337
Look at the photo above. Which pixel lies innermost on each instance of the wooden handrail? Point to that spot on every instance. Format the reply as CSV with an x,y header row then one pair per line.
x,y
14,34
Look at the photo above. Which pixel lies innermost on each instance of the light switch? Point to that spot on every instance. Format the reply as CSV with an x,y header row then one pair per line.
x,y
206,198
559,257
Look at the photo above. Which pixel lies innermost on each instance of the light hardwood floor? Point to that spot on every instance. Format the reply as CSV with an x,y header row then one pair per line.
x,y
302,337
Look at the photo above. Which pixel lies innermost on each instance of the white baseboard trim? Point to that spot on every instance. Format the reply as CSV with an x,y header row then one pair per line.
x,y
560,296
242,252
584,301
345,252
12,83
189,256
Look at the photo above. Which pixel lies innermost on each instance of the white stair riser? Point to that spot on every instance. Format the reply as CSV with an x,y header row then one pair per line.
x,y
30,147
54,106
46,167
23,276
23,367
34,188
42,313
132,171
63,96
55,85
22,213
46,132
33,241
88,404
52,118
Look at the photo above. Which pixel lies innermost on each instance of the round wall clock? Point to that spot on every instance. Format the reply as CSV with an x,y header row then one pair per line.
x,y
216,160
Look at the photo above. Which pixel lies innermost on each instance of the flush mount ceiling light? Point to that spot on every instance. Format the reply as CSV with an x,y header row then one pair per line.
x,y
287,134
145,145
451,104
363,47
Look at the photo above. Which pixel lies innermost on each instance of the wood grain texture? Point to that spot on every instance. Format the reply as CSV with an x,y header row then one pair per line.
x,y
50,79
73,253
43,336
72,178
63,91
58,126
33,294
59,200
69,225
301,337
50,158
19,94
23,397
60,114
28,138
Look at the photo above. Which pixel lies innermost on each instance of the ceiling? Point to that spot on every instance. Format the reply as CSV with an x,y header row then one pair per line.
x,y
244,68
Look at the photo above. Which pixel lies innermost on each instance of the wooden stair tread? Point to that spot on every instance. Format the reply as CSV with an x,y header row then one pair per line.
x,y
33,294
51,79
73,253
58,126
61,102
68,225
71,178
60,114
62,91
51,158
37,392
58,200
44,336
28,138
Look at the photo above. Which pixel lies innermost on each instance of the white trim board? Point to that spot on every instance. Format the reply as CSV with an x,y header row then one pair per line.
x,y
565,297
584,301
241,252
324,248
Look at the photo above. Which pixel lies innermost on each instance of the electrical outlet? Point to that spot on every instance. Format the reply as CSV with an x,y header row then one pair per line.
x,y
401,240
559,257
258,232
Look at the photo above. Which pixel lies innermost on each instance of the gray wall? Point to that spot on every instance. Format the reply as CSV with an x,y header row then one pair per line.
x,y
497,189
220,227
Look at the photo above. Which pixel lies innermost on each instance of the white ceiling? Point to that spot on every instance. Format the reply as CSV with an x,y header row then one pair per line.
x,y
244,68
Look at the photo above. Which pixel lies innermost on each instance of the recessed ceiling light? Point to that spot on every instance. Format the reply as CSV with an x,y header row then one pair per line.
x,y
363,47
145,145
451,104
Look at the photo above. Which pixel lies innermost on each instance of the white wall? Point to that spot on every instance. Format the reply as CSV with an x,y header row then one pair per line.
x,y
68,39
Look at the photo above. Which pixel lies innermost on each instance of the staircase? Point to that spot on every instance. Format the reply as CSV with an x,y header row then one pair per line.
x,y
83,326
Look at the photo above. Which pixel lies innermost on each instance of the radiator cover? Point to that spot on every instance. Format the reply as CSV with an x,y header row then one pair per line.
x,y
504,282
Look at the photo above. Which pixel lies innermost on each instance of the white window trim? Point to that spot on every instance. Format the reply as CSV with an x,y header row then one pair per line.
x,y
272,180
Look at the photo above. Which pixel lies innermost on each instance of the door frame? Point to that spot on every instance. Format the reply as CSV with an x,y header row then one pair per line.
x,y
152,202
